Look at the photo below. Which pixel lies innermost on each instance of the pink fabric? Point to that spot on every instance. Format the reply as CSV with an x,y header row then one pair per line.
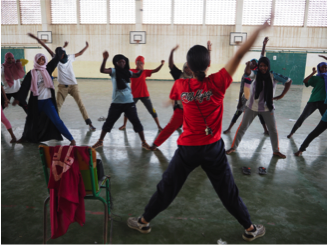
x,y
46,77
66,188
13,71
4,120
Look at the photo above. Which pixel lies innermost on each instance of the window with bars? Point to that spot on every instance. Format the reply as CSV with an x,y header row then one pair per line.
x,y
63,12
157,12
317,15
220,12
9,12
256,12
30,11
289,12
93,11
188,11
122,11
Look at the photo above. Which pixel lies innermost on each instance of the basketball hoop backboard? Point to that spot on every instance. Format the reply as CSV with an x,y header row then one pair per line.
x,y
237,38
45,36
137,37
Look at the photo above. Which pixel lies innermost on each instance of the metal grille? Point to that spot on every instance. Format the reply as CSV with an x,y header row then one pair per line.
x,y
157,12
30,11
122,11
289,12
63,12
188,11
317,15
93,11
220,12
256,12
9,12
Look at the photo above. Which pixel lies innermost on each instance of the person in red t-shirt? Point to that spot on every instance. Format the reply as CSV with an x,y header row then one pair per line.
x,y
200,144
177,119
140,90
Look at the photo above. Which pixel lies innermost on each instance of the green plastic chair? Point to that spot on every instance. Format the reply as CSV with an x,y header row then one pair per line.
x,y
92,186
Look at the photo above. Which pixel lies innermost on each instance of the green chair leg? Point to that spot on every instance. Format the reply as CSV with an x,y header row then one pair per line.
x,y
108,197
105,219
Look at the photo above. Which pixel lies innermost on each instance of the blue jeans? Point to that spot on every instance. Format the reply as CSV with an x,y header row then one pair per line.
x,y
48,108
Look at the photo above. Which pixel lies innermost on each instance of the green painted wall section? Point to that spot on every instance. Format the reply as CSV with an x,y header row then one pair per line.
x,y
288,64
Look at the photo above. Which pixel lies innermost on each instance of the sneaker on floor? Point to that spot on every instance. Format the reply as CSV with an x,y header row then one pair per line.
x,y
258,231
134,223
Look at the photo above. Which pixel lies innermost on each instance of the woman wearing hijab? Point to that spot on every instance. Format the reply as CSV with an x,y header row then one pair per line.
x,y
140,90
43,122
260,96
318,95
122,99
11,73
176,120
253,65
67,81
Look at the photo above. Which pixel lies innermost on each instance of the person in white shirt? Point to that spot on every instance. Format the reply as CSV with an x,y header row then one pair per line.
x,y
67,81
11,73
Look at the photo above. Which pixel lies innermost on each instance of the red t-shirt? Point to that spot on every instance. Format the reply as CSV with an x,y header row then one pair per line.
x,y
138,85
209,95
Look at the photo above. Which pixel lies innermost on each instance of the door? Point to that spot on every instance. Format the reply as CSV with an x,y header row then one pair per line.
x,y
291,65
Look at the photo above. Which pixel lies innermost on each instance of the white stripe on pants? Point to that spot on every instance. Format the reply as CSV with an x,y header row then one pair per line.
x,y
247,120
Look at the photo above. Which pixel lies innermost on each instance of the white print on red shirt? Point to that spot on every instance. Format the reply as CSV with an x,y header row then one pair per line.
x,y
186,97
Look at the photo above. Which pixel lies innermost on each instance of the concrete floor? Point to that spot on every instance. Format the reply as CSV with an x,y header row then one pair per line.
x,y
291,200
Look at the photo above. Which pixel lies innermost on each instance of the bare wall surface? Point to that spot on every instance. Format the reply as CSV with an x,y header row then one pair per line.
x,y
160,40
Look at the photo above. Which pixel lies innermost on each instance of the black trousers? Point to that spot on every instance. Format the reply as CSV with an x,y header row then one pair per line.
x,y
308,110
238,113
213,160
147,103
22,104
321,127
115,112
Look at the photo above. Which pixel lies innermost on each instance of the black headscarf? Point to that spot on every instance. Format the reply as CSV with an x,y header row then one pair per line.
x,y
268,87
122,75
59,52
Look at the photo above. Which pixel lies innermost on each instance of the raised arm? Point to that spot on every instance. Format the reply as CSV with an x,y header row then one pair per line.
x,y
102,67
233,63
158,68
265,41
171,63
65,44
248,70
42,44
306,80
322,56
82,51
209,48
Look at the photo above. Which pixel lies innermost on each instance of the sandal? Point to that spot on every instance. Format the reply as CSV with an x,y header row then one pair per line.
x,y
102,119
98,144
145,146
262,171
246,170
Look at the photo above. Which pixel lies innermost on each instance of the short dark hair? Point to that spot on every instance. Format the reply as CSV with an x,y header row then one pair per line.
x,y
198,59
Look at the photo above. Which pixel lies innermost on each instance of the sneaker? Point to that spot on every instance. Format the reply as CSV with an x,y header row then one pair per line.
x,y
134,223
252,235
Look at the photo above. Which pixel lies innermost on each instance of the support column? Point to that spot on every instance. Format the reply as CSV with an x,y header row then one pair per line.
x,y
306,13
139,11
45,14
239,18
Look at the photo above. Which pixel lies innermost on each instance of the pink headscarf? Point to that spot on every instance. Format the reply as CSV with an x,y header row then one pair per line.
x,y
13,71
46,77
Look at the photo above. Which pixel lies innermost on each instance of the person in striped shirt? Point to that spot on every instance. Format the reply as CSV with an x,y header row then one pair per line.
x,y
260,96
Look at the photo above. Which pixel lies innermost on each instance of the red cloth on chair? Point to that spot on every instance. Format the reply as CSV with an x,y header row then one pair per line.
x,y
66,189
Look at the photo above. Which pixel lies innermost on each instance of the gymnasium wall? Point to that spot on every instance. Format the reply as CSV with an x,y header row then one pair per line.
x,y
160,40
